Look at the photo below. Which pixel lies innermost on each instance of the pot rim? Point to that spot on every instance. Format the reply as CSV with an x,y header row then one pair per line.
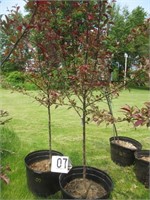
x,y
136,143
87,167
140,153
27,158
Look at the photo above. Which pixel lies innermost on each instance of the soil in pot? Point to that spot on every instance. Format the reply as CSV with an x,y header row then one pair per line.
x,y
122,150
142,166
125,144
85,189
41,166
97,184
41,181
147,159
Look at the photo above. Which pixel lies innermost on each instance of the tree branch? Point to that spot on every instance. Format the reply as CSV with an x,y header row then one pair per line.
x,y
20,38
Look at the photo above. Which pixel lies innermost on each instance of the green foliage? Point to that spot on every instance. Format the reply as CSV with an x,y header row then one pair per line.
x,y
29,86
16,79
115,74
9,67
141,80
125,24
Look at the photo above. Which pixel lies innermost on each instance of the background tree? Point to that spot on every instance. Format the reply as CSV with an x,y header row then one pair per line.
x,y
124,24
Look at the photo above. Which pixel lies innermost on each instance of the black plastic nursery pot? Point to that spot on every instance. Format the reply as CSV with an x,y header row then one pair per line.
x,y
121,155
142,167
40,183
93,174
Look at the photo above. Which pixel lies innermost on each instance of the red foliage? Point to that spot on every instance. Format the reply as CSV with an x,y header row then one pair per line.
x,y
76,4
42,2
42,5
139,117
19,28
90,16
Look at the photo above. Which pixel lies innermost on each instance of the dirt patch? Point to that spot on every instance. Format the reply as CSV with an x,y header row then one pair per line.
x,y
145,158
42,165
125,144
85,189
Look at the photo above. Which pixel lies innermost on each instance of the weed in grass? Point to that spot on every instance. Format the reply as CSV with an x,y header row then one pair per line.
x,y
9,141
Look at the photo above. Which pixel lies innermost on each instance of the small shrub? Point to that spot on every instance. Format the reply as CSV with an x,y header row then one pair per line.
x,y
29,86
16,79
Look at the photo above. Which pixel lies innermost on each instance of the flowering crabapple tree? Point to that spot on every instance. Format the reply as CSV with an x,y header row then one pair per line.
x,y
86,58
40,49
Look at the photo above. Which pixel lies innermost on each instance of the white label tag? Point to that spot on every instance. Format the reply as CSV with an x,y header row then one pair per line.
x,y
61,164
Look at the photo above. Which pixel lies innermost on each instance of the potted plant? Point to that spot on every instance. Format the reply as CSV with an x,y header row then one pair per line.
x,y
38,45
140,117
86,62
124,156
44,72
123,148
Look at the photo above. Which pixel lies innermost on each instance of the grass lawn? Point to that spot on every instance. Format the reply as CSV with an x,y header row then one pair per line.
x,y
29,123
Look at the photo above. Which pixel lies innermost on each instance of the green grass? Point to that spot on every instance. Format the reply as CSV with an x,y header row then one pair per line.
x,y
29,123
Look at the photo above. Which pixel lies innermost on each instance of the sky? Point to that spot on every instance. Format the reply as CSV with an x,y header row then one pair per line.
x,y
7,4
131,4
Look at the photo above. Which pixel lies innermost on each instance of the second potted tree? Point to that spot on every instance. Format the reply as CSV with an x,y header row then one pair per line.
x,y
140,117
86,61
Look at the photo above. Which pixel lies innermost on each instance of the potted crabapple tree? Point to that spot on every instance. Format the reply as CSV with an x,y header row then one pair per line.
x,y
140,117
123,148
38,46
86,61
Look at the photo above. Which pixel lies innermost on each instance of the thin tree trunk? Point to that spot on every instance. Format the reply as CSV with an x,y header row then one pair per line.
x,y
111,112
84,107
84,136
49,128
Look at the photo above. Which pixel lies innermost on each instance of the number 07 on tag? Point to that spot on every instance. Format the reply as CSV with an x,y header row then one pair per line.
x,y
60,164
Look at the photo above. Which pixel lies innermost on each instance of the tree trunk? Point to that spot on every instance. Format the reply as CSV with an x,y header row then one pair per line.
x,y
49,128
84,135
111,112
